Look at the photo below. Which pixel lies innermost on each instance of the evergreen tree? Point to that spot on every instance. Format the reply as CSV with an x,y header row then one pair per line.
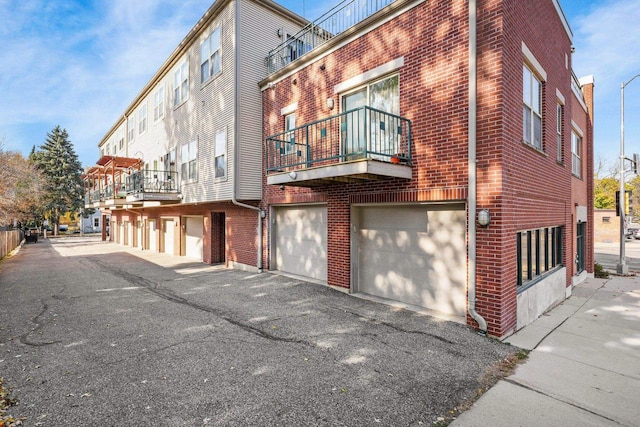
x,y
62,171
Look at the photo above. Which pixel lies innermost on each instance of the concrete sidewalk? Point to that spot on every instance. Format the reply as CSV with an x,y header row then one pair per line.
x,y
584,365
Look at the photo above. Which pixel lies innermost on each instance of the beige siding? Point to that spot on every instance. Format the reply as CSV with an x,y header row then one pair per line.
x,y
155,142
255,43
210,107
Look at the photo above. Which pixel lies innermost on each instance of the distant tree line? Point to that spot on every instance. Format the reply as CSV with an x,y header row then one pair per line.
x,y
43,186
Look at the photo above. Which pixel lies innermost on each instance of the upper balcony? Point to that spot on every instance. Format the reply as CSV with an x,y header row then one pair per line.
x,y
339,19
358,145
118,181
153,185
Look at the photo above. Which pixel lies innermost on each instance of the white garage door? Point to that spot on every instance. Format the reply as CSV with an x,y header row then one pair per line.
x,y
414,254
153,238
301,241
193,237
167,235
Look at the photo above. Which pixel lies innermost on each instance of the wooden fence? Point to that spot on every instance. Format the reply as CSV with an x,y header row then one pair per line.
x,y
9,240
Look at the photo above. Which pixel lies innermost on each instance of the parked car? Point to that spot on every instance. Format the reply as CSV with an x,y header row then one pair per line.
x,y
63,227
636,233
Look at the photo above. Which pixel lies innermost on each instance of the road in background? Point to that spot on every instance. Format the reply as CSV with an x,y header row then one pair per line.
x,y
608,255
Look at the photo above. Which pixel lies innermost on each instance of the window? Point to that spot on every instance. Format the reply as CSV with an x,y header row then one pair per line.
x,y
210,53
383,134
158,104
171,180
189,158
290,139
181,83
142,119
576,144
295,47
539,251
532,114
121,144
131,128
220,154
606,219
96,222
559,116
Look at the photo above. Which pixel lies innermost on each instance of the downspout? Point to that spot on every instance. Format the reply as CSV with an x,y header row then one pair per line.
x,y
473,107
236,130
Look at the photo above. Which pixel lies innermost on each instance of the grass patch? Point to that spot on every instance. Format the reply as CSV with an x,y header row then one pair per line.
x,y
599,272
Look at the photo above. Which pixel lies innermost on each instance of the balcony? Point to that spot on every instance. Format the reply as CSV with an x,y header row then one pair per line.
x,y
336,21
363,144
153,186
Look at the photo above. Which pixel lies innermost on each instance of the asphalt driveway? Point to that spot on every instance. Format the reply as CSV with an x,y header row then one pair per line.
x,y
94,334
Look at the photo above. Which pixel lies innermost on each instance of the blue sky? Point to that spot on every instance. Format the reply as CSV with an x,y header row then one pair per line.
x,y
79,63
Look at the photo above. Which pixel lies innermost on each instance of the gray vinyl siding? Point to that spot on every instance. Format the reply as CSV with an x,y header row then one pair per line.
x,y
255,43
210,107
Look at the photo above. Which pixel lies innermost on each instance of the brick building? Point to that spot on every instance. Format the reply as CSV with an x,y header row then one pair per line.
x,y
436,154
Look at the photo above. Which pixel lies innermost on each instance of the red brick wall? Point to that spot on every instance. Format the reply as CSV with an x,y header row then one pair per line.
x,y
241,240
434,98
523,187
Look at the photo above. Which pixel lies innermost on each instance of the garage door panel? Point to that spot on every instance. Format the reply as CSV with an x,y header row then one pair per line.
x,y
168,236
194,237
301,241
414,255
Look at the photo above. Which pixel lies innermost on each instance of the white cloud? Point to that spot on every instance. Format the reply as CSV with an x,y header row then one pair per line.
x,y
608,41
80,64
608,46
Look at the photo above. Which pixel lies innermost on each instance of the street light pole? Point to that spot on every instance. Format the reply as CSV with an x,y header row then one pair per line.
x,y
622,267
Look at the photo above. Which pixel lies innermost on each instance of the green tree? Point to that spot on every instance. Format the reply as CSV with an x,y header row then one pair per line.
x,y
20,189
604,190
62,172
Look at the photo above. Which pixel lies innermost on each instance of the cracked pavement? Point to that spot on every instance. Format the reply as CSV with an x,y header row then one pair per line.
x,y
92,333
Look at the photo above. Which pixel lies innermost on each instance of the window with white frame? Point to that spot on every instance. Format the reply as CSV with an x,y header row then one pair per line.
x,y
559,127
131,128
382,135
121,144
210,56
189,161
142,119
576,148
158,104
532,106
181,83
221,154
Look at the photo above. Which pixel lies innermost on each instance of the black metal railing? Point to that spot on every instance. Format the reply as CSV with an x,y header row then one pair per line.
x,y
361,133
152,181
342,17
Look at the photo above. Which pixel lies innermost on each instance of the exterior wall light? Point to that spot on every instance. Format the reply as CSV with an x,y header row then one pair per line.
x,y
484,217
293,175
330,103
